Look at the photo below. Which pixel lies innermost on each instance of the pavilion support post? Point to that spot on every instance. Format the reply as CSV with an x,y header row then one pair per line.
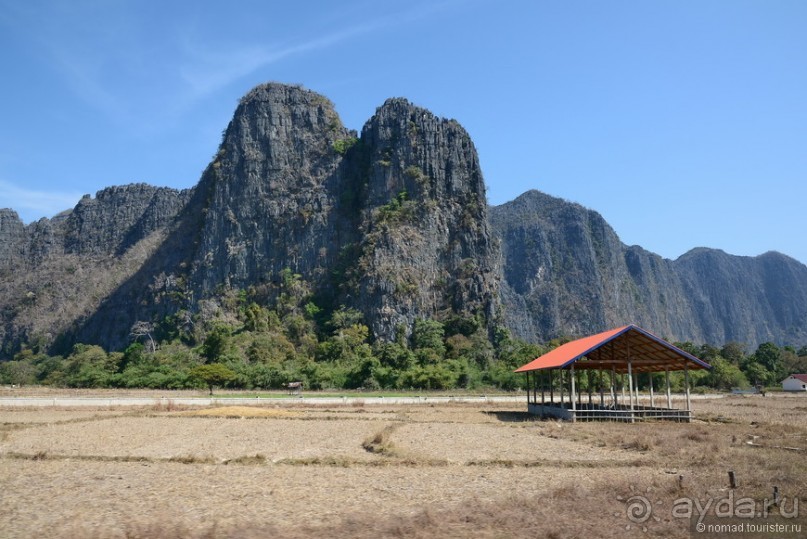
x,y
613,386
613,378
652,403
669,396
689,402
535,382
542,382
630,389
588,383
572,394
579,389
551,387
578,378
562,387
529,388
602,392
622,382
630,384
535,387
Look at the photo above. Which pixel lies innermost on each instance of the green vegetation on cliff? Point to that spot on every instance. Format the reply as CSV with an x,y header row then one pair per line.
x,y
252,343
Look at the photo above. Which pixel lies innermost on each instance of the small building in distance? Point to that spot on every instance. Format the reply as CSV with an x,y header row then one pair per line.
x,y
795,382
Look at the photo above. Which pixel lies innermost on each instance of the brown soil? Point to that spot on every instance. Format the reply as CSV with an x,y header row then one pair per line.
x,y
408,471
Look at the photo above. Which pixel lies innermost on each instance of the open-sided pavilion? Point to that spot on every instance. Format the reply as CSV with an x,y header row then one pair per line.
x,y
611,360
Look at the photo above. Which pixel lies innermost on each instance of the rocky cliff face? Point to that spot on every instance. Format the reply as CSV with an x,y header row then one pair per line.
x,y
567,273
424,243
12,239
745,299
119,217
273,191
392,222
57,272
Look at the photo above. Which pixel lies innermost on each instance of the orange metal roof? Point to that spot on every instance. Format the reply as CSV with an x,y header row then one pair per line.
x,y
614,349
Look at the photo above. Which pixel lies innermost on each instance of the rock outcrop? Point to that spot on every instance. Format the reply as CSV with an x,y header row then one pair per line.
x,y
745,299
119,217
392,222
273,192
567,273
12,239
57,272
424,243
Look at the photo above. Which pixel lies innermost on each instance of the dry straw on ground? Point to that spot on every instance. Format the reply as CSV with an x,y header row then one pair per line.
x,y
238,412
408,471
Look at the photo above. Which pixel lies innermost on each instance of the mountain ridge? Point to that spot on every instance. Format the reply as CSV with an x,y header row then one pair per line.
x,y
681,298
392,221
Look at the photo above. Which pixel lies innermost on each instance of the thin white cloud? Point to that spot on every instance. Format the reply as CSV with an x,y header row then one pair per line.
x,y
208,71
32,204
102,53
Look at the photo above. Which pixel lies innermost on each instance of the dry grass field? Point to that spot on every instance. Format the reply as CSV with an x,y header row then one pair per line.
x,y
418,471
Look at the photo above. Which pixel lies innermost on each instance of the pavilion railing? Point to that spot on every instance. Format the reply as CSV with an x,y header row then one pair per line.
x,y
619,413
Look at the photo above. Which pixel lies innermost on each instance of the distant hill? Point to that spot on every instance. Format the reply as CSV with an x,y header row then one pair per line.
x,y
391,221
565,272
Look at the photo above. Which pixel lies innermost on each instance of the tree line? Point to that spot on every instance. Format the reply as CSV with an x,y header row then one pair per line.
x,y
250,342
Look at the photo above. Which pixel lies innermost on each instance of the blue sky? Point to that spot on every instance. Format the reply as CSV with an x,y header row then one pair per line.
x,y
683,122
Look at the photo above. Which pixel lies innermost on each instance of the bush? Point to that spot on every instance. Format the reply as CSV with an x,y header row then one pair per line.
x,y
502,376
341,146
17,373
214,374
725,376
428,377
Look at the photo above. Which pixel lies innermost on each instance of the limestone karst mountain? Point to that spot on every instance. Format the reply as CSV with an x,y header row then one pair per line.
x,y
567,272
392,221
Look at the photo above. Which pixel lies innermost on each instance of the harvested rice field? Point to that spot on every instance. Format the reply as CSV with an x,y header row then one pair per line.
x,y
449,470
